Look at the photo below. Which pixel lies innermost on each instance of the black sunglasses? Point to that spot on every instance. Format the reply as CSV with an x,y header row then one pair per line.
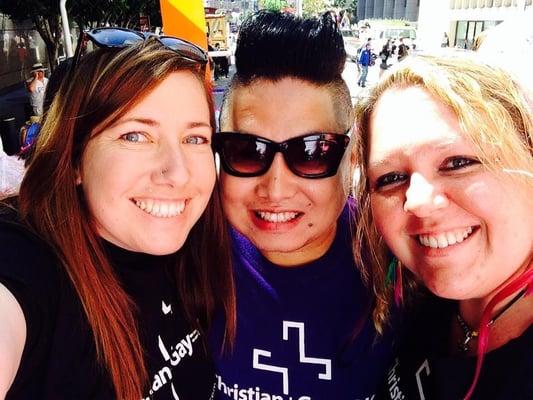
x,y
313,156
118,38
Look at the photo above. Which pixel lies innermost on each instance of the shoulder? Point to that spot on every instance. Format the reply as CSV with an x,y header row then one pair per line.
x,y
29,268
18,244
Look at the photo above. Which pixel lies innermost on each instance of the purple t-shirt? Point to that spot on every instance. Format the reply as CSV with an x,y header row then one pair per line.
x,y
294,328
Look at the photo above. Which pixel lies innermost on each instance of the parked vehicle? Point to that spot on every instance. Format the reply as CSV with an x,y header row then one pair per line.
x,y
218,32
351,43
382,34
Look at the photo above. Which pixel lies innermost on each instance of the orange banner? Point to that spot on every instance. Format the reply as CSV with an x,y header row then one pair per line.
x,y
184,19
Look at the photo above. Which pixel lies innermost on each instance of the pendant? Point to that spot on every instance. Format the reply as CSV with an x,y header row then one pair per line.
x,y
464,346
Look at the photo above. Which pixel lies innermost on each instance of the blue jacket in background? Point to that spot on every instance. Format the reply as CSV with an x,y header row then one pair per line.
x,y
365,58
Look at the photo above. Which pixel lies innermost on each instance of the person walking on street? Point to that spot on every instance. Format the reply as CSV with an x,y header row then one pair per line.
x,y
403,50
364,61
384,56
359,51
445,42
36,86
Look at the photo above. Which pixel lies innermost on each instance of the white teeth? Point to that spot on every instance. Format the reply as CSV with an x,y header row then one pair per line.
x,y
277,217
444,239
162,209
450,237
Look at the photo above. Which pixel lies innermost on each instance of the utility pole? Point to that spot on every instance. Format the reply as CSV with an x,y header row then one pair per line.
x,y
299,7
66,29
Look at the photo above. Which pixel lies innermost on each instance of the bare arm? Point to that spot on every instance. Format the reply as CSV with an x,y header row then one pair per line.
x,y
12,338
32,85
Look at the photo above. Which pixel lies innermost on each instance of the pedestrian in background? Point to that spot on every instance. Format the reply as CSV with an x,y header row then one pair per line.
x,y
358,55
445,42
403,50
365,60
384,56
36,87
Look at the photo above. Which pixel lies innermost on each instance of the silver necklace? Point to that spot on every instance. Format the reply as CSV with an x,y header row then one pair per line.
x,y
469,334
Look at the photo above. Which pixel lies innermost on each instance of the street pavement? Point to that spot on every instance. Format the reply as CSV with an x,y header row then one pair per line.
x,y
351,76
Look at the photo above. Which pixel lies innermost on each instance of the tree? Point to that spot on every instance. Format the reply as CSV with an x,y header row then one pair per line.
x,y
313,7
123,13
341,3
350,5
272,5
45,16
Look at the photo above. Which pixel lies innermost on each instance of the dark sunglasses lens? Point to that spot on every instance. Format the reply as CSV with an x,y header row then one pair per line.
x,y
314,156
114,37
186,49
244,154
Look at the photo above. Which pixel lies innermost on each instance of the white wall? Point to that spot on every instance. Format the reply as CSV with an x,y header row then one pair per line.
x,y
433,21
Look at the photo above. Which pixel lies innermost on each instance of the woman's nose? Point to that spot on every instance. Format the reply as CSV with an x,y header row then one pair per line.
x,y
422,197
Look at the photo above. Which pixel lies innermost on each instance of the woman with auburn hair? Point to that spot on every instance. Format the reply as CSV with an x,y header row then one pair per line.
x,y
114,255
446,196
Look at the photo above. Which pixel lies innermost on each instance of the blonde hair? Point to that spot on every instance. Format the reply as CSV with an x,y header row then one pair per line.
x,y
493,112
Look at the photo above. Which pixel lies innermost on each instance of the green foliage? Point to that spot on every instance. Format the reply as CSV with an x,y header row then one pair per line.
x,y
313,7
124,13
350,5
341,3
272,5
86,13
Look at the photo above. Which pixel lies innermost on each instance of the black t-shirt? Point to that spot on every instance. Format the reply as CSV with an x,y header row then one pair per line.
x,y
59,358
425,370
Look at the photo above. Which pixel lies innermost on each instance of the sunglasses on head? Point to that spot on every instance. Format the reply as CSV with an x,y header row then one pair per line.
x,y
313,156
118,38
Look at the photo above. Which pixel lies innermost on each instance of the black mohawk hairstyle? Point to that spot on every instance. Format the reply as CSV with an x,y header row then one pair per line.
x,y
274,45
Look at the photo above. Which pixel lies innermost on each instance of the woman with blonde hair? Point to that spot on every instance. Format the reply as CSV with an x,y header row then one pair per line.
x,y
446,226
114,255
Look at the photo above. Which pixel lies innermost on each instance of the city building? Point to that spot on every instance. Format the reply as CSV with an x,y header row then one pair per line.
x,y
388,9
464,20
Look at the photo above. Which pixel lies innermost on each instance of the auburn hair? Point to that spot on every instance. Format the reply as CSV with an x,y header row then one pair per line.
x,y
104,86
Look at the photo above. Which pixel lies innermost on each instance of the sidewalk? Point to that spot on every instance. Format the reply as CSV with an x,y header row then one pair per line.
x,y
351,76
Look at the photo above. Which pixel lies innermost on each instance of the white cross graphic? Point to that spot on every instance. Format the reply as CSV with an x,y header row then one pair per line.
x,y
300,326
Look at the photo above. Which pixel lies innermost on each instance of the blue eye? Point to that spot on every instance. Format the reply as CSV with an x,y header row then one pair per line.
x,y
457,162
196,140
134,137
390,179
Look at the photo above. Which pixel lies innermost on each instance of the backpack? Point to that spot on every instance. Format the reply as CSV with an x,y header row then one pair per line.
x,y
28,135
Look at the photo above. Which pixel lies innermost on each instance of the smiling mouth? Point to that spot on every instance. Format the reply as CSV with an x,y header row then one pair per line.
x,y
161,209
446,239
280,217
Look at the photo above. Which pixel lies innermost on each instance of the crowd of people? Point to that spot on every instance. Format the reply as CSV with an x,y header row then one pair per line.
x,y
338,253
